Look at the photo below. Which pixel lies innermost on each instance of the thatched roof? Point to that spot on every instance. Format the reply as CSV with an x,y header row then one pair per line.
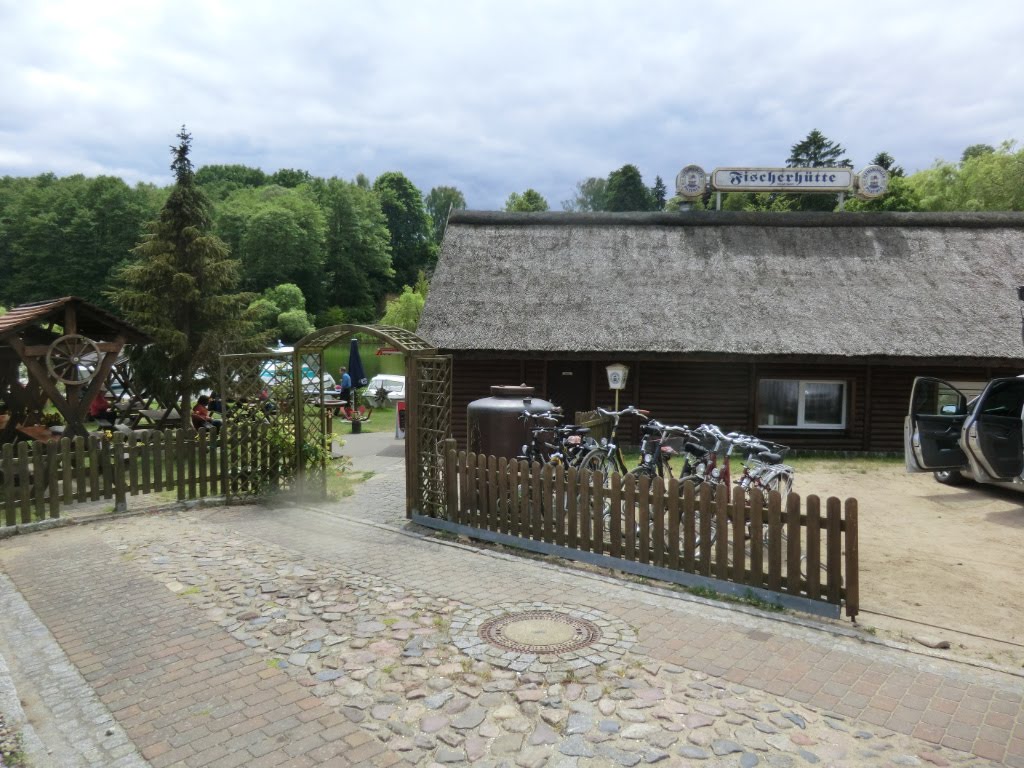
x,y
918,285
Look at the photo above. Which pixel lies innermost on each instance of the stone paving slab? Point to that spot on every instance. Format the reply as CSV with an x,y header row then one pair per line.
x,y
286,636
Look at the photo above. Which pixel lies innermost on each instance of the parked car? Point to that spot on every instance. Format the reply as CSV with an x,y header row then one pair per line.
x,y
385,388
958,439
275,373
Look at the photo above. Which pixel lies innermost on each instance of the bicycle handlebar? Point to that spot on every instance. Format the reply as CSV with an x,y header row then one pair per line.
x,y
629,410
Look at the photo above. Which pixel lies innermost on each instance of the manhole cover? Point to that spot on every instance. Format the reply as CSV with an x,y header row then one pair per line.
x,y
550,639
539,632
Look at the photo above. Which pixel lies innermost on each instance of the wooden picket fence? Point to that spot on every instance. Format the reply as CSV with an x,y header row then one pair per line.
x,y
794,548
37,480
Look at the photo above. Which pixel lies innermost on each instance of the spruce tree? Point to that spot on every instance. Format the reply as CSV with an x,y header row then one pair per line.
x,y
816,151
179,289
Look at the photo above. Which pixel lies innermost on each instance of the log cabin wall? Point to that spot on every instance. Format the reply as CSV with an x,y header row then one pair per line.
x,y
725,393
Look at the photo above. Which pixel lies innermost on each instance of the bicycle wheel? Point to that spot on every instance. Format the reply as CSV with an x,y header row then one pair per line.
x,y
712,519
780,481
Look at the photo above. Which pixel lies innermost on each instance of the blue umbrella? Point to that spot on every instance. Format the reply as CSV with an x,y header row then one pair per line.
x,y
355,366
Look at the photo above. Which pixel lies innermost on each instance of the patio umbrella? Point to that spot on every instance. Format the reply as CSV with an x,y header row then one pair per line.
x,y
355,366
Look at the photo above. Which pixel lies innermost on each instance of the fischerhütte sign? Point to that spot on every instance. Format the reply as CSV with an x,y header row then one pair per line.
x,y
782,179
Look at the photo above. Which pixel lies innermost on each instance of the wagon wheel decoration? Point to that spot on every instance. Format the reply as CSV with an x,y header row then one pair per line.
x,y
72,359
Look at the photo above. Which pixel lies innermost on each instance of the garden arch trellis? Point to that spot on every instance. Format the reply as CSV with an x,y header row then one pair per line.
x,y
428,403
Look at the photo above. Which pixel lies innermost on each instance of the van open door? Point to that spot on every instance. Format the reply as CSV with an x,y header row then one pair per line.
x,y
932,428
994,435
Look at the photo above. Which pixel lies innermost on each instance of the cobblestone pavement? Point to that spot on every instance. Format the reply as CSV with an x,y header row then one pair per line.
x,y
287,636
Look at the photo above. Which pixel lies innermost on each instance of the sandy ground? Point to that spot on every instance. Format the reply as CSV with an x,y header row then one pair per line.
x,y
946,561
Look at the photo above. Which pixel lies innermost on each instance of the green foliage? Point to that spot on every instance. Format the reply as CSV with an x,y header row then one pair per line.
x,y
405,310
286,297
412,241
280,313
888,162
219,181
438,202
294,324
626,191
181,290
330,316
61,237
279,236
985,181
591,195
530,201
976,150
659,194
357,265
900,196
815,151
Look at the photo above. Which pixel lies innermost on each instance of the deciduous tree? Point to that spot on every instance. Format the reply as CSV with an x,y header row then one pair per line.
x,y
530,201
591,195
412,243
439,202
626,191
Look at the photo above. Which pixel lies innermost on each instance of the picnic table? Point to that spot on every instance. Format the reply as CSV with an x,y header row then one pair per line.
x,y
154,417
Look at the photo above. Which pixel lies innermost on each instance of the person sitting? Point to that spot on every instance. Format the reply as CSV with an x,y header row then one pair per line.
x,y
201,418
101,411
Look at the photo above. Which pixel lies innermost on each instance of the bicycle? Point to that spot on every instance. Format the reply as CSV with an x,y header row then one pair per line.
x,y
658,448
568,443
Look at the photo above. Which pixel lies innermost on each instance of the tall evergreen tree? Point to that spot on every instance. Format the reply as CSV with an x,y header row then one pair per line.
x,y
412,242
659,193
180,291
816,151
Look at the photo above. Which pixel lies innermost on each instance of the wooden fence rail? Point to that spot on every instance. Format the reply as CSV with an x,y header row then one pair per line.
x,y
795,547
38,479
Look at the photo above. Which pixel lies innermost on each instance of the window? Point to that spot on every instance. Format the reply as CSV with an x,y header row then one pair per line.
x,y
794,404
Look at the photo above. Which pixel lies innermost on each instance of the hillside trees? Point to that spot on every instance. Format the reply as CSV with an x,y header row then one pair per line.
x,y
278,234
412,243
439,202
357,263
64,236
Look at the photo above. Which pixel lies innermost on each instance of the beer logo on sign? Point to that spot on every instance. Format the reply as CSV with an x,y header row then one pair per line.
x,y
872,182
691,182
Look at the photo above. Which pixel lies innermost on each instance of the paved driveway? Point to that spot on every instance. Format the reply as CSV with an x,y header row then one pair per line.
x,y
334,636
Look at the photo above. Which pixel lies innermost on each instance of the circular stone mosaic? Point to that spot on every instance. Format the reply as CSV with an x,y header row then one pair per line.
x,y
539,637
539,632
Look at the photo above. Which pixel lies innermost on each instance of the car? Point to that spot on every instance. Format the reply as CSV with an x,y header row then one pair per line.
x,y
385,388
277,372
959,439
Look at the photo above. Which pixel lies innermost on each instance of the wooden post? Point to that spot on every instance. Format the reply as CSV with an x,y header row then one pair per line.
x,y
852,560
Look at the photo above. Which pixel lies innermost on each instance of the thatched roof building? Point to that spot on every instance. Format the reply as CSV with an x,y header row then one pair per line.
x,y
835,296
856,285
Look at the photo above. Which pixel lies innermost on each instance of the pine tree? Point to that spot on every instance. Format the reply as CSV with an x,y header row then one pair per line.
x,y
816,151
180,291
659,194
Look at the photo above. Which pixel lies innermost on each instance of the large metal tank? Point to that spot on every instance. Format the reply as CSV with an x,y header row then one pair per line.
x,y
493,423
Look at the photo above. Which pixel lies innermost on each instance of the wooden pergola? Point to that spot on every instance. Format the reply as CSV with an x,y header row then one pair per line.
x,y
68,347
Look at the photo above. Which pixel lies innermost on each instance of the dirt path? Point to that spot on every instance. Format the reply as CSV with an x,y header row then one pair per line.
x,y
945,560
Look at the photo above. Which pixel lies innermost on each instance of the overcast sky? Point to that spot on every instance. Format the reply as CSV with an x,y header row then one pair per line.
x,y
498,97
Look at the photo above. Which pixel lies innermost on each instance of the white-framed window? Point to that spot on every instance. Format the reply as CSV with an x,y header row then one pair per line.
x,y
801,404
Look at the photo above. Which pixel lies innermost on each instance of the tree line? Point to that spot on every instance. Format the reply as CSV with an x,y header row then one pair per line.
x,y
320,251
